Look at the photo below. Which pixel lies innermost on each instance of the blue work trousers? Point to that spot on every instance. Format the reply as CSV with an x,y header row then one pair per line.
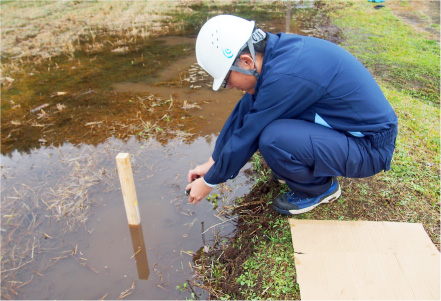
x,y
307,155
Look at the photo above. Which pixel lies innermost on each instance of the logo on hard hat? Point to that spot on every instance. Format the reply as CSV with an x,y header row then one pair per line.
x,y
227,52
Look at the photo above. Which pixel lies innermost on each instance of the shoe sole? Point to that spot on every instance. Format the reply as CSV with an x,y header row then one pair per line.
x,y
330,198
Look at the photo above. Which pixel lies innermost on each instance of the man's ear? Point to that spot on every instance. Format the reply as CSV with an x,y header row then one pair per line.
x,y
247,60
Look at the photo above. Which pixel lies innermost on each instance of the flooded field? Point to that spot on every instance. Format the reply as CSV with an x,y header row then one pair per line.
x,y
64,228
88,253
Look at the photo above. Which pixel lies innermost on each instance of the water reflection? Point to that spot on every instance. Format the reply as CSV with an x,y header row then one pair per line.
x,y
89,253
139,251
293,26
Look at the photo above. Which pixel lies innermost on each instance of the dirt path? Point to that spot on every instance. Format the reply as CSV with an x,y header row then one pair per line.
x,y
423,16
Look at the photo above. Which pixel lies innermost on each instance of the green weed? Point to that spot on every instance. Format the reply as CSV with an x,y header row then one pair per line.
x,y
261,174
274,254
213,198
392,50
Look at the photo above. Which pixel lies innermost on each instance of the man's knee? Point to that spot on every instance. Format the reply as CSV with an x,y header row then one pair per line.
x,y
265,139
287,134
268,137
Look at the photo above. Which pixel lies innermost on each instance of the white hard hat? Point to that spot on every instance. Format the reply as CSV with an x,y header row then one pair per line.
x,y
219,42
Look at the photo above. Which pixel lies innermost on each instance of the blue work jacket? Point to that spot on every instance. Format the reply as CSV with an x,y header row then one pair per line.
x,y
301,78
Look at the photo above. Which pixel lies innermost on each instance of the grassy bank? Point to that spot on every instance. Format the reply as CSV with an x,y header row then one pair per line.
x,y
258,262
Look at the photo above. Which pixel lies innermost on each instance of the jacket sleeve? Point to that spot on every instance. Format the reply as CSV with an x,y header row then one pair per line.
x,y
279,97
234,122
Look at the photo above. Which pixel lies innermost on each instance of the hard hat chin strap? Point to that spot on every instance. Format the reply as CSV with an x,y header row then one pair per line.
x,y
257,36
245,71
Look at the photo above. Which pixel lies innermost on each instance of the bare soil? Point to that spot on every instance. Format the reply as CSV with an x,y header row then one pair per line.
x,y
424,16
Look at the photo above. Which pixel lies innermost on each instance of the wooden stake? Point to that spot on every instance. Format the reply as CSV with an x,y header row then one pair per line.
x,y
128,188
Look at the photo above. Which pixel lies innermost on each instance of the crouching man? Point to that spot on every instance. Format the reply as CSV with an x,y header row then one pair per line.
x,y
311,108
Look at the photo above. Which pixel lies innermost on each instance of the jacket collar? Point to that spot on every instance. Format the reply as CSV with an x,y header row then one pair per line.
x,y
271,43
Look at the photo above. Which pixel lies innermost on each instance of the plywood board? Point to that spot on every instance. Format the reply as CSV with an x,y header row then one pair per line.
x,y
361,260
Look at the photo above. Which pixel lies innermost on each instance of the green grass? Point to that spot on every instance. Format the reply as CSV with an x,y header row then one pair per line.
x,y
274,255
391,49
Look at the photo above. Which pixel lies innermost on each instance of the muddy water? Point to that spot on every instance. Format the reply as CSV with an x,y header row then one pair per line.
x,y
98,259
64,228
93,255
212,109
90,253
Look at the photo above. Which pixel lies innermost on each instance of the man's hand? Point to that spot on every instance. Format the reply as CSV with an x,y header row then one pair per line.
x,y
200,170
198,190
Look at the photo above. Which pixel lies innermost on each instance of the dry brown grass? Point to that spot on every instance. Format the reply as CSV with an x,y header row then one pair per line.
x,y
30,206
48,28
43,29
